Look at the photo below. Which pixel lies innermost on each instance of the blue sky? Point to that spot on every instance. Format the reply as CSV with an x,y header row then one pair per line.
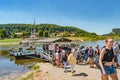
x,y
99,16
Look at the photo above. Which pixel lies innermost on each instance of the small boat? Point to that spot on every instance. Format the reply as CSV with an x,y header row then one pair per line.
x,y
27,50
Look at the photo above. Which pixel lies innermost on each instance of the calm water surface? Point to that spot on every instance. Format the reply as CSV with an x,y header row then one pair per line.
x,y
9,65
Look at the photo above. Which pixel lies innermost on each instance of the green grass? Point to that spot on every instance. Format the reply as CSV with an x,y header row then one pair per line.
x,y
89,38
10,40
81,38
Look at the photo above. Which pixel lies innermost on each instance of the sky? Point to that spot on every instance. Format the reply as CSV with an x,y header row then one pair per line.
x,y
99,16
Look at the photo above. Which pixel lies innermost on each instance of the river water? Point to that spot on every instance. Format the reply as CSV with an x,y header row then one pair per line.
x,y
10,68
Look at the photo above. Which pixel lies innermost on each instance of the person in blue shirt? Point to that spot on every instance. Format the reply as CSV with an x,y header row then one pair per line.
x,y
116,52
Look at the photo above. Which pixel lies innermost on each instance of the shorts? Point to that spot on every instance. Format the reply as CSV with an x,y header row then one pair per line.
x,y
90,60
109,69
57,60
78,58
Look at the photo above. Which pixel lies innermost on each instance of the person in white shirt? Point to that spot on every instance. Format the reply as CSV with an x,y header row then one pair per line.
x,y
57,58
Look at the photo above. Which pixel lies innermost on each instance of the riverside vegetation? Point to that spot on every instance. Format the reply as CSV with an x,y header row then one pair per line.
x,y
33,74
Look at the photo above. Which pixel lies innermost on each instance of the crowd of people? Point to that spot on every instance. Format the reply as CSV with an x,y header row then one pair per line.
x,y
107,57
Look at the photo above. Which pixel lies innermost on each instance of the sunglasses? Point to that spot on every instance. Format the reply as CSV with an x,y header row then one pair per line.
x,y
111,41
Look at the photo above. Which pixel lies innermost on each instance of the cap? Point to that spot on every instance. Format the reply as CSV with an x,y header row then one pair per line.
x,y
63,51
73,50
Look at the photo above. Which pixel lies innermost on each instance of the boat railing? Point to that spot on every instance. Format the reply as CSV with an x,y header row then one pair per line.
x,y
45,55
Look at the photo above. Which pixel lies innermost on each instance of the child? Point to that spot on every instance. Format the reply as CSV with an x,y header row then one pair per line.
x,y
57,58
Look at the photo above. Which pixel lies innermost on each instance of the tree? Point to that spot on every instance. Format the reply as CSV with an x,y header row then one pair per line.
x,y
14,35
67,34
40,33
25,34
3,33
46,34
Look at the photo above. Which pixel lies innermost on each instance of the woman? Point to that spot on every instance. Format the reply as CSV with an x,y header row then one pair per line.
x,y
64,60
106,61
97,54
97,51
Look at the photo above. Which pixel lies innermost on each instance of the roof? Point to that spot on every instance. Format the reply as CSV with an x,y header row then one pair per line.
x,y
52,40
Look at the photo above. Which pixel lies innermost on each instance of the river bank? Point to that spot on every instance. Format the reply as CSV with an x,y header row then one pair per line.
x,y
83,72
5,43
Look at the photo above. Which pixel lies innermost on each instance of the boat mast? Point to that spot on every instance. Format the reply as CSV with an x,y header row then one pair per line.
x,y
34,29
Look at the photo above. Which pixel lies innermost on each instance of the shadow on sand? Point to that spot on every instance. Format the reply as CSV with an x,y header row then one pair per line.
x,y
81,74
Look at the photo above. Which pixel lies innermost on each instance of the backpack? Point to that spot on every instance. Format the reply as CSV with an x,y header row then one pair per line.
x,y
90,53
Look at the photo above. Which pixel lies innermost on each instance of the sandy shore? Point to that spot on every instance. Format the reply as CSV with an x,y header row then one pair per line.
x,y
83,72
50,72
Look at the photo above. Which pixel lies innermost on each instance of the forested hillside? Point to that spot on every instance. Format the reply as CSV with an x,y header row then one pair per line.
x,y
52,30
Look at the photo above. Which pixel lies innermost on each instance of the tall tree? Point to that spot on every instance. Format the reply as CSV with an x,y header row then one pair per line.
x,y
25,34
3,33
40,33
46,34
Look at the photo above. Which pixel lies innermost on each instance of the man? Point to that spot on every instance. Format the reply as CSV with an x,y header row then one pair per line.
x,y
78,56
90,57
86,54
72,60
116,52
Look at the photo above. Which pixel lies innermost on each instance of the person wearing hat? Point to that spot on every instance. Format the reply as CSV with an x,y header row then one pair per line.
x,y
72,60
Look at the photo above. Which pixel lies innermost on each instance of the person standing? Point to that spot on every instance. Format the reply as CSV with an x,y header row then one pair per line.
x,y
97,54
86,54
72,60
97,51
78,56
106,61
64,60
119,60
57,58
90,57
116,52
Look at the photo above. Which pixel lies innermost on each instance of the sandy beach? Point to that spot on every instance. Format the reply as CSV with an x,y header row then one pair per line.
x,y
83,72
50,72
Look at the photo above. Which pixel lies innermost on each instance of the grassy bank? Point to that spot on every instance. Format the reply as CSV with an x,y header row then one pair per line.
x,y
10,40
88,38
94,38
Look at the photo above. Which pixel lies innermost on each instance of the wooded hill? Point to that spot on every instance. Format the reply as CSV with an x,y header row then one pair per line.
x,y
43,30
